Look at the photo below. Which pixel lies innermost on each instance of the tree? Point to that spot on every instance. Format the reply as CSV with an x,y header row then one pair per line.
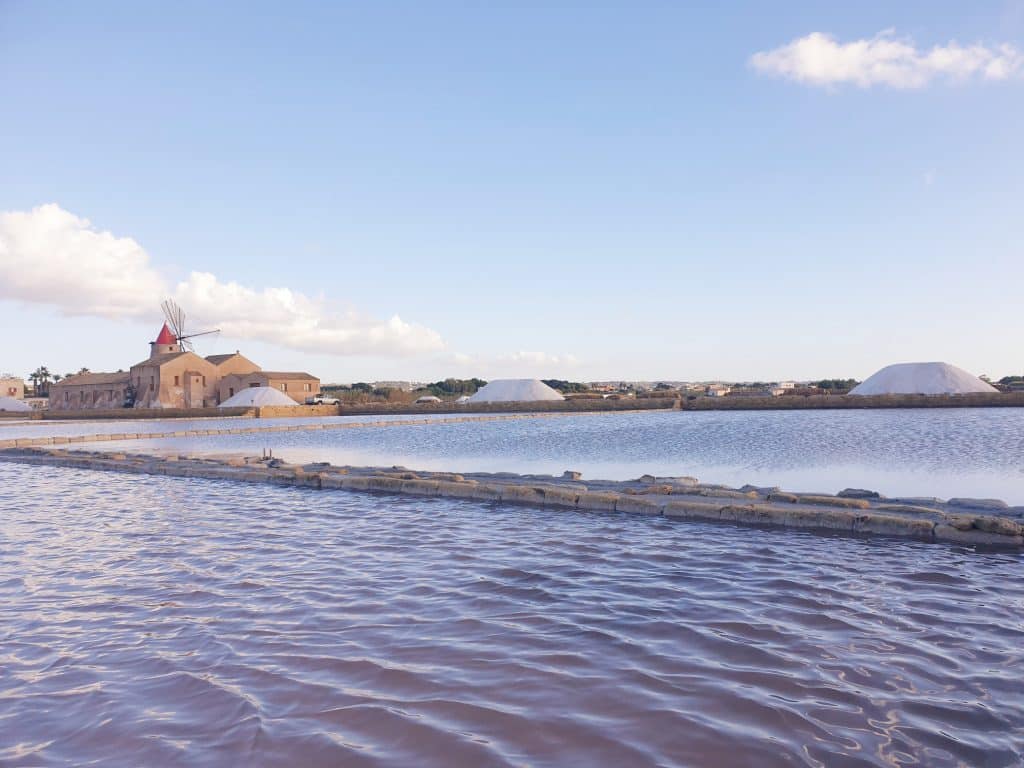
x,y
830,384
40,379
567,386
450,387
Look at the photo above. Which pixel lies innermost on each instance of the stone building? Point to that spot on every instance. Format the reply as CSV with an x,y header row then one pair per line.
x,y
172,377
298,386
89,390
12,386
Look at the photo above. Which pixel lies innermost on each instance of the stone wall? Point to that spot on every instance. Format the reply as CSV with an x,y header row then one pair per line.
x,y
285,411
675,498
544,406
148,413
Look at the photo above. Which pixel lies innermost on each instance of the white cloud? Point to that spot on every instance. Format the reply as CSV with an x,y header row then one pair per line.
x,y
819,59
52,257
290,319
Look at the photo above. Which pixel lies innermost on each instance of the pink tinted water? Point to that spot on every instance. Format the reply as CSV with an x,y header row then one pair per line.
x,y
157,621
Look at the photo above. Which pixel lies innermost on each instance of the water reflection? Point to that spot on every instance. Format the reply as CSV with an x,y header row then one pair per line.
x,y
941,452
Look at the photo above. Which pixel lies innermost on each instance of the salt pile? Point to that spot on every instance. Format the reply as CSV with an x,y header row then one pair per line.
x,y
12,405
515,391
922,379
258,396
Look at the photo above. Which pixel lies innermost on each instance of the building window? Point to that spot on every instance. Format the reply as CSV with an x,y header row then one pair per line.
x,y
66,396
175,381
204,381
307,387
284,386
231,391
152,382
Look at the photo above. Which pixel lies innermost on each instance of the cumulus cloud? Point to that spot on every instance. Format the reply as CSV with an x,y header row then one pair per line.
x,y
52,257
291,319
819,59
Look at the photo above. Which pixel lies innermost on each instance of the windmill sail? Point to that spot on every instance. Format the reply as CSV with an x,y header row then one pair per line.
x,y
175,317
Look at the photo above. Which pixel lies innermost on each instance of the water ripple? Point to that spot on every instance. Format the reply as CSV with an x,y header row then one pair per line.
x,y
159,621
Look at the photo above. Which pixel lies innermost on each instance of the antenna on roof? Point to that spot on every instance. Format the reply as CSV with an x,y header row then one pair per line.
x,y
175,316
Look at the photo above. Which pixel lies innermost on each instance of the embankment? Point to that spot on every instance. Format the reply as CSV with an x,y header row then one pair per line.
x,y
26,442
963,521
824,402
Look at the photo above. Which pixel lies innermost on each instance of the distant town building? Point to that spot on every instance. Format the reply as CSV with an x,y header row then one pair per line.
x,y
717,390
12,386
172,377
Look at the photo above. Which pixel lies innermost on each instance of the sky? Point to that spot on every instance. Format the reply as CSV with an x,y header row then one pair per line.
x,y
589,191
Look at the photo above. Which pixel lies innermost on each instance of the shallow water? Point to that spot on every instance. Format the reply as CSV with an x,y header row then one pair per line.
x,y
914,452
162,621
14,429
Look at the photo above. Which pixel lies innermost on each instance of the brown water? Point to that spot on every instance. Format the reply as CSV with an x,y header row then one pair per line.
x,y
158,621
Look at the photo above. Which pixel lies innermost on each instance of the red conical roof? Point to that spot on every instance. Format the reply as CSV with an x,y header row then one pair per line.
x,y
166,337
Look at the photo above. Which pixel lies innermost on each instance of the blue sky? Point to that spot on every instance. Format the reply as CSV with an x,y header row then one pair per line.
x,y
587,191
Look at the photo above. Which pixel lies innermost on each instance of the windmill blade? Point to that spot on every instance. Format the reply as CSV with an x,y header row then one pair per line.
x,y
176,321
175,318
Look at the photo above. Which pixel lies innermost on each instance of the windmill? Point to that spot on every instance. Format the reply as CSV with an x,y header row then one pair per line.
x,y
175,316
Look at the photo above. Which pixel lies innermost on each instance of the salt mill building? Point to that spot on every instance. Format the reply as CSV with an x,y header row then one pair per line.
x,y
173,377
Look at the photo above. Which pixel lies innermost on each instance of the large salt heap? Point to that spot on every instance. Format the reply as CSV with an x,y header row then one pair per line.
x,y
11,405
515,391
922,379
253,396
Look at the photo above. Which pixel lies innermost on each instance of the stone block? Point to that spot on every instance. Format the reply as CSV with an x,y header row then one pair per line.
x,y
392,484
832,501
420,487
557,496
637,505
597,500
521,494
859,493
832,519
994,505
999,525
694,510
752,513
908,509
893,525
486,492
974,536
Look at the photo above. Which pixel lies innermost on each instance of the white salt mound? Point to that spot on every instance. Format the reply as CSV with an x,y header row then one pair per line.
x,y
257,396
12,405
515,391
921,379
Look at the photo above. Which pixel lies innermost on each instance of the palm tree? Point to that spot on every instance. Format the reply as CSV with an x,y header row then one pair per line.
x,y
40,379
83,369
